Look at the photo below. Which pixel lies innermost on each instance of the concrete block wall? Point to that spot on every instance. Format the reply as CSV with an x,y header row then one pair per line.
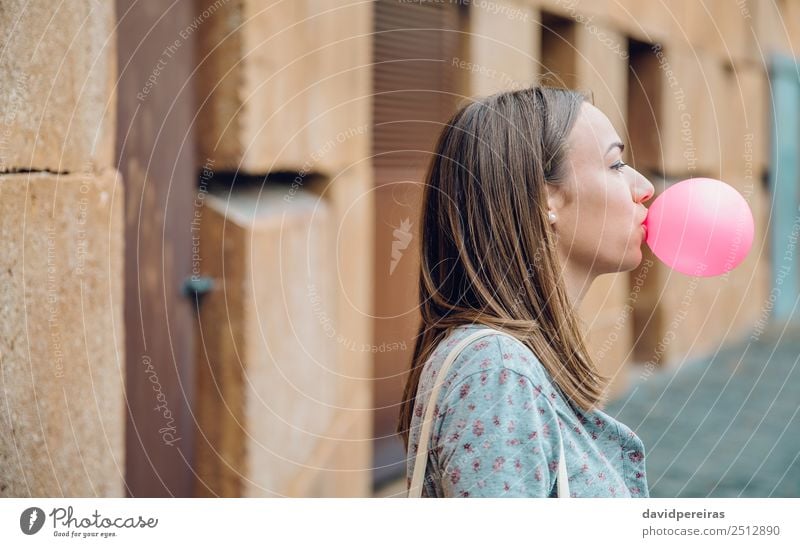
x,y
279,81
275,405
58,72
349,196
284,373
502,50
745,126
61,210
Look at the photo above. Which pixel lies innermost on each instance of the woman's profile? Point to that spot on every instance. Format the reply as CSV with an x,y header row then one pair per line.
x,y
526,201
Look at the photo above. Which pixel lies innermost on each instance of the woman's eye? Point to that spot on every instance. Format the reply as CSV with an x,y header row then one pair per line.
x,y
619,165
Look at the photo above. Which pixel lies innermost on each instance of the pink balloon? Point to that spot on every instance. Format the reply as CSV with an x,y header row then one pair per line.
x,y
700,227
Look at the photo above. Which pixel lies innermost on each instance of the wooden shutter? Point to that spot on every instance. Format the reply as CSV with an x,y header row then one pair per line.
x,y
416,84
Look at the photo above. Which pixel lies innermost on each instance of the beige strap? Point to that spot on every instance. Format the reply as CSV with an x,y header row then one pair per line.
x,y
421,459
562,482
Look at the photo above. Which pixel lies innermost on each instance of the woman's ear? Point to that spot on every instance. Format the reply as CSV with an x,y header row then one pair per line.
x,y
555,197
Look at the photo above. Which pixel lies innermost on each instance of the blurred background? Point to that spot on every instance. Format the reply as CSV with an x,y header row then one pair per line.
x,y
210,225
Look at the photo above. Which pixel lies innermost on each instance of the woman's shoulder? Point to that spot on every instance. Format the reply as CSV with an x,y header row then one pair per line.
x,y
491,353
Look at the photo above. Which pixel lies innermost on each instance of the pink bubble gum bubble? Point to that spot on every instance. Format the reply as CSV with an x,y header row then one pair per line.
x,y
700,226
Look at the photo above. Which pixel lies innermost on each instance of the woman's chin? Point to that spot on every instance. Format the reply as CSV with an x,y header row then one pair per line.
x,y
632,260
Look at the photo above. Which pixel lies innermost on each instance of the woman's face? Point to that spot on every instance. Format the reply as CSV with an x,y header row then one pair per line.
x,y
599,209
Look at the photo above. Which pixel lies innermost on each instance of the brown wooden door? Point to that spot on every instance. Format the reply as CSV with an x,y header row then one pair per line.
x,y
155,150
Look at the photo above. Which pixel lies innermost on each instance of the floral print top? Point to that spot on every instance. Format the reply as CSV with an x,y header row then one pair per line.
x,y
494,432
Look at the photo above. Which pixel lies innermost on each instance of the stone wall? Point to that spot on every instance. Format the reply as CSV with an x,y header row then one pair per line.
x,y
61,336
284,379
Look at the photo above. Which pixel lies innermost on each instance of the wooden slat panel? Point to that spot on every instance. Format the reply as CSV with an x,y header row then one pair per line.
x,y
414,80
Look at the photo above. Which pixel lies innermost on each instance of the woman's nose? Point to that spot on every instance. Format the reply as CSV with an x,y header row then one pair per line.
x,y
643,188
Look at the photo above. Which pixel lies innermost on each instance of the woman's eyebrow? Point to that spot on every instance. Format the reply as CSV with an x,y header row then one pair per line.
x,y
617,143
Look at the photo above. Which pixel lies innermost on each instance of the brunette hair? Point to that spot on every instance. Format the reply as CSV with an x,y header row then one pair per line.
x,y
487,251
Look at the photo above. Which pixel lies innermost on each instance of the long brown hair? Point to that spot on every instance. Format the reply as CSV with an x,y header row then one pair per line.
x,y
487,252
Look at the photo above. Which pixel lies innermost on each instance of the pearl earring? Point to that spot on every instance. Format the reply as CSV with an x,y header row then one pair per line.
x,y
552,216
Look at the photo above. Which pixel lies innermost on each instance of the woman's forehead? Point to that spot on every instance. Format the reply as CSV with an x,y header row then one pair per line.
x,y
593,131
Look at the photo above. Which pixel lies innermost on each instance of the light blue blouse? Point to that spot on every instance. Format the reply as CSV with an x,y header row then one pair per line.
x,y
494,429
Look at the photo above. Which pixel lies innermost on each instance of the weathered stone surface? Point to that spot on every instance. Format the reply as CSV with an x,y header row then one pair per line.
x,y
280,414
58,70
744,121
503,47
675,111
283,84
776,28
601,65
62,428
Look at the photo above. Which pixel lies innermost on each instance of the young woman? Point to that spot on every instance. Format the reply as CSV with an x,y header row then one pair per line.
x,y
527,200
